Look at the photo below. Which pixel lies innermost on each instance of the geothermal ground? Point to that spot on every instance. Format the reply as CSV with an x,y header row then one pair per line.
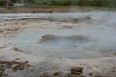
x,y
36,43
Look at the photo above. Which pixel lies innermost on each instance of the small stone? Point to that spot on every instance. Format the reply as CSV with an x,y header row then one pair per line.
x,y
46,37
26,62
76,70
90,74
57,73
114,54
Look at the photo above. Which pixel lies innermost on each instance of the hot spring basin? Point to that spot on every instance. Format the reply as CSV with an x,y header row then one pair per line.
x,y
63,41
91,40
66,43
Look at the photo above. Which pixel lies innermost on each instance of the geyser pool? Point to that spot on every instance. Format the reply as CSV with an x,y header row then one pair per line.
x,y
98,35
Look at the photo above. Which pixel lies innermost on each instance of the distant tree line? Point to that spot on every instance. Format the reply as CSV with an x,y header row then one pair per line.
x,y
98,3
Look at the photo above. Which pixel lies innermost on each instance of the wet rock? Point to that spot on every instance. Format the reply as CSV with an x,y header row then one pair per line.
x,y
114,54
57,73
5,64
73,75
14,65
1,71
79,37
90,74
48,36
45,75
17,49
76,70
18,67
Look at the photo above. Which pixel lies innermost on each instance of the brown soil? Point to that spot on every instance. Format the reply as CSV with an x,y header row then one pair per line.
x,y
32,10
50,9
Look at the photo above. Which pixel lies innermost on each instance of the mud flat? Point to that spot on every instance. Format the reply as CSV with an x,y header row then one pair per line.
x,y
80,44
